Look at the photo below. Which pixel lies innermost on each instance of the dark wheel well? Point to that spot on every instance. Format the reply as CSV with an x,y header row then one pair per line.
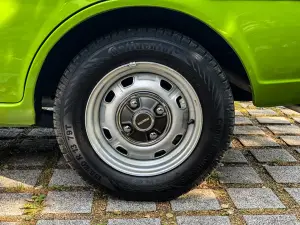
x,y
80,36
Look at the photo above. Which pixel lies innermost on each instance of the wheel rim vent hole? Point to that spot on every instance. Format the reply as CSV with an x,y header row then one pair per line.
x,y
178,99
122,150
166,85
107,134
110,96
160,153
127,82
177,139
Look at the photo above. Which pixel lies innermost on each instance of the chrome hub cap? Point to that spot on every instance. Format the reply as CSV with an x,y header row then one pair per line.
x,y
143,119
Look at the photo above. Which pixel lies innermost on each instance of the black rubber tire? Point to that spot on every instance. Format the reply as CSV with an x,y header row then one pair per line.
x,y
157,45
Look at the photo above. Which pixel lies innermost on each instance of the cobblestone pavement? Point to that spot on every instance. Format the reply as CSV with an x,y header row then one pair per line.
x,y
258,181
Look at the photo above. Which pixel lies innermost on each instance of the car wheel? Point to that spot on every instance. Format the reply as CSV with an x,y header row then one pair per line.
x,y
146,113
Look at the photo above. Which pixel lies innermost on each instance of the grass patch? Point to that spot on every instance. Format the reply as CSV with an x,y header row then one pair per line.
x,y
34,206
16,189
213,178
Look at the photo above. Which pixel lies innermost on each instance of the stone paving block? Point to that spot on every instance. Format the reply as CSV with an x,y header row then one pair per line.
x,y
297,119
295,193
9,223
272,155
5,145
10,132
38,145
289,112
284,129
11,204
254,198
261,112
247,130
291,140
15,178
256,141
42,132
271,220
242,121
234,156
150,221
246,104
197,199
238,113
25,160
67,177
203,220
62,162
129,206
284,174
298,150
238,175
273,120
69,202
63,222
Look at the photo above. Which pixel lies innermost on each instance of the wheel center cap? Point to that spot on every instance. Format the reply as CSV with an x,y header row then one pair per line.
x,y
143,121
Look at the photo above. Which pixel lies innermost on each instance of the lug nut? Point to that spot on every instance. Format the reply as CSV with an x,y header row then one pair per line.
x,y
160,110
153,135
127,129
133,103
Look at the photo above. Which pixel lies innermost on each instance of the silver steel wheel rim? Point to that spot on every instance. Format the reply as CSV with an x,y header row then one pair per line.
x,y
103,114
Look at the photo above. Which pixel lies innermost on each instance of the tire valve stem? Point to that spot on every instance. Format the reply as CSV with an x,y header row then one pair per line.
x,y
191,121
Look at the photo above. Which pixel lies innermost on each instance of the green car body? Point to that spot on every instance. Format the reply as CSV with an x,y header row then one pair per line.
x,y
265,35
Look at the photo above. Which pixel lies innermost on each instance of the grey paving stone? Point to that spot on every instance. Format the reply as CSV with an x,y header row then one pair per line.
x,y
298,150
297,119
66,177
242,121
256,141
42,132
261,112
289,112
252,198
14,178
197,199
238,175
273,120
10,132
203,220
62,162
247,130
234,156
149,221
69,202
291,140
11,204
246,104
63,222
38,145
271,220
295,193
238,113
271,155
284,129
27,160
284,174
8,223
129,206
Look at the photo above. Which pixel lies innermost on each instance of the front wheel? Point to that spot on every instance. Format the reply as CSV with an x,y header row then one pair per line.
x,y
145,113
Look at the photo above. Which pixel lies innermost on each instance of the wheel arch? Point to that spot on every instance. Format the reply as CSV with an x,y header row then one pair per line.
x,y
68,39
